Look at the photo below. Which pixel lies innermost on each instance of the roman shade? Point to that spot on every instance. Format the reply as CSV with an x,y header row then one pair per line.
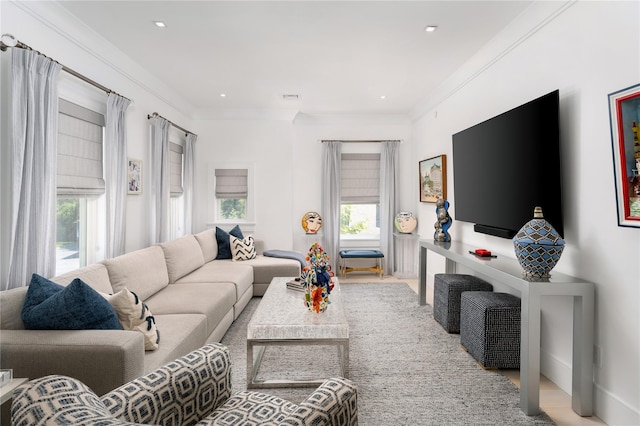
x,y
175,169
360,182
80,135
231,183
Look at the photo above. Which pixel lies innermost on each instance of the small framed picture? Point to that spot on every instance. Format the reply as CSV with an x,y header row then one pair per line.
x,y
134,173
433,179
624,114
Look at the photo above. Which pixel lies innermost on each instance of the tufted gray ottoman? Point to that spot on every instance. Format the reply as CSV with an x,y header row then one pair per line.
x,y
447,289
490,328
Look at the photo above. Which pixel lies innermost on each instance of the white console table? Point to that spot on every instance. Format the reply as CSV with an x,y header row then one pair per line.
x,y
508,271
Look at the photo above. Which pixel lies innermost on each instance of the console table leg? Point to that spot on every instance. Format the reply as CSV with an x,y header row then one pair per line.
x,y
422,282
582,386
530,354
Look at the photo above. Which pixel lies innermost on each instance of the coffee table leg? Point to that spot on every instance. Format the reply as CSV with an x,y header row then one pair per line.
x,y
253,366
345,360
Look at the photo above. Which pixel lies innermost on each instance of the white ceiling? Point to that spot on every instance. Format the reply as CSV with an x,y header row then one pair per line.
x,y
338,56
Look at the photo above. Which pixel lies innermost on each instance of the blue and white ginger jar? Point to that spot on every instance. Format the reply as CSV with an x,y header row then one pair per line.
x,y
538,246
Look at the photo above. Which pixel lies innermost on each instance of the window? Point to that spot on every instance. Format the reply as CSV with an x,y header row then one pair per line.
x,y
176,203
80,212
175,169
231,193
360,197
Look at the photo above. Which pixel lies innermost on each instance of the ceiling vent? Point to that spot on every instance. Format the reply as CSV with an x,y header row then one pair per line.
x,y
290,97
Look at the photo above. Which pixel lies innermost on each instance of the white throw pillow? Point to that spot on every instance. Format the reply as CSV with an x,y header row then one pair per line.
x,y
242,249
135,315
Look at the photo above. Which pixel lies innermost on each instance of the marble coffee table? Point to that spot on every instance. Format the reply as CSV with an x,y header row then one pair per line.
x,y
282,319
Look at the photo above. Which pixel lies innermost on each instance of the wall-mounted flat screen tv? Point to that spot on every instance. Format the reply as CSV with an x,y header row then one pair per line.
x,y
506,166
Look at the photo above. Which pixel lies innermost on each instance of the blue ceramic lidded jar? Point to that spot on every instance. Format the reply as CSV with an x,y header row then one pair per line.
x,y
538,246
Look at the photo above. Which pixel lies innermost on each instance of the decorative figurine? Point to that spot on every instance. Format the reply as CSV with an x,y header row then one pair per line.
x,y
311,222
405,222
443,222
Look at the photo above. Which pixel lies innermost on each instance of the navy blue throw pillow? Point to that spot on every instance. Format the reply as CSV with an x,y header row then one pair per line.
x,y
51,306
224,246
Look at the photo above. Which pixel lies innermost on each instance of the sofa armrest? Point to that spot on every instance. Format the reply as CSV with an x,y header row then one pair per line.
x,y
185,390
334,403
59,400
102,359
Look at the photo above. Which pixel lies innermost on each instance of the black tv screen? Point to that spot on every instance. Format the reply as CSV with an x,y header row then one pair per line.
x,y
506,166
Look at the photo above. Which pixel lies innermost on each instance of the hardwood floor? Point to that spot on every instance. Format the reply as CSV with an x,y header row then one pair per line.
x,y
553,400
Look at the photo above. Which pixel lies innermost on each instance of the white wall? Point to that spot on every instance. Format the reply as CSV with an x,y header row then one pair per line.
x,y
265,145
309,130
286,157
586,50
48,28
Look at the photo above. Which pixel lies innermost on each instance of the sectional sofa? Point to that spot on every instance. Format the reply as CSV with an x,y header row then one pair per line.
x,y
192,297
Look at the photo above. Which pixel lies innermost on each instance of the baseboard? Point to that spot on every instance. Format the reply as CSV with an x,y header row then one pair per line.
x,y
608,407
556,370
612,410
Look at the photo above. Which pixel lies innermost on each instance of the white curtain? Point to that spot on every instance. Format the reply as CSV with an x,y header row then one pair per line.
x,y
116,173
388,201
34,122
188,178
331,178
159,171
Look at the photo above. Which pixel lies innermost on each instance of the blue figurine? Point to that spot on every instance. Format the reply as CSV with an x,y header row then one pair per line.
x,y
443,223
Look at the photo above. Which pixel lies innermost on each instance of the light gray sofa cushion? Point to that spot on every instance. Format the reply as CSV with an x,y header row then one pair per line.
x,y
208,244
142,271
95,275
182,256
265,268
214,300
223,271
179,334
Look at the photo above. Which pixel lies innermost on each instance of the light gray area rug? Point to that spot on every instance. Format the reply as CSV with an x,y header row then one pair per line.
x,y
408,369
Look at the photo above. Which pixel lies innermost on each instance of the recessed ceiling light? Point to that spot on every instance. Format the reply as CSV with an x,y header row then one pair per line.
x,y
383,97
431,28
159,24
223,95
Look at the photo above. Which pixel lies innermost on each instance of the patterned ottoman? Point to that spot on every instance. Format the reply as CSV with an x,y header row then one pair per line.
x,y
446,299
490,328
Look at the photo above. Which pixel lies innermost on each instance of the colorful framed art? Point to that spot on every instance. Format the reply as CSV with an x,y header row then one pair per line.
x,y
624,114
433,179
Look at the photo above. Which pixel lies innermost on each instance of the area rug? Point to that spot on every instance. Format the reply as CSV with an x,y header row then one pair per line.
x,y
408,369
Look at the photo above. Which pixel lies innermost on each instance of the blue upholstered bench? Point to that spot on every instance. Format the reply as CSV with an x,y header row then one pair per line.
x,y
361,254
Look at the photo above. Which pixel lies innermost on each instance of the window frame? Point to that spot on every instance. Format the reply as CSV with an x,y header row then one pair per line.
x,y
213,201
92,214
356,241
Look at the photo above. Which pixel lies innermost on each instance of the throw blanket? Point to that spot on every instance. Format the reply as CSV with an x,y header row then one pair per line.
x,y
287,255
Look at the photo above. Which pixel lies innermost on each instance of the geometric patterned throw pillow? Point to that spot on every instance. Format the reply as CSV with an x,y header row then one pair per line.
x,y
135,315
243,249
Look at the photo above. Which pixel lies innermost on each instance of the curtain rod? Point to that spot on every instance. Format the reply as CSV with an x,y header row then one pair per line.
x,y
155,114
360,141
10,41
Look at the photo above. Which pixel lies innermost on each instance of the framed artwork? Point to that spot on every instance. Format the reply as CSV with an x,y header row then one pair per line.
x,y
134,176
433,179
624,116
